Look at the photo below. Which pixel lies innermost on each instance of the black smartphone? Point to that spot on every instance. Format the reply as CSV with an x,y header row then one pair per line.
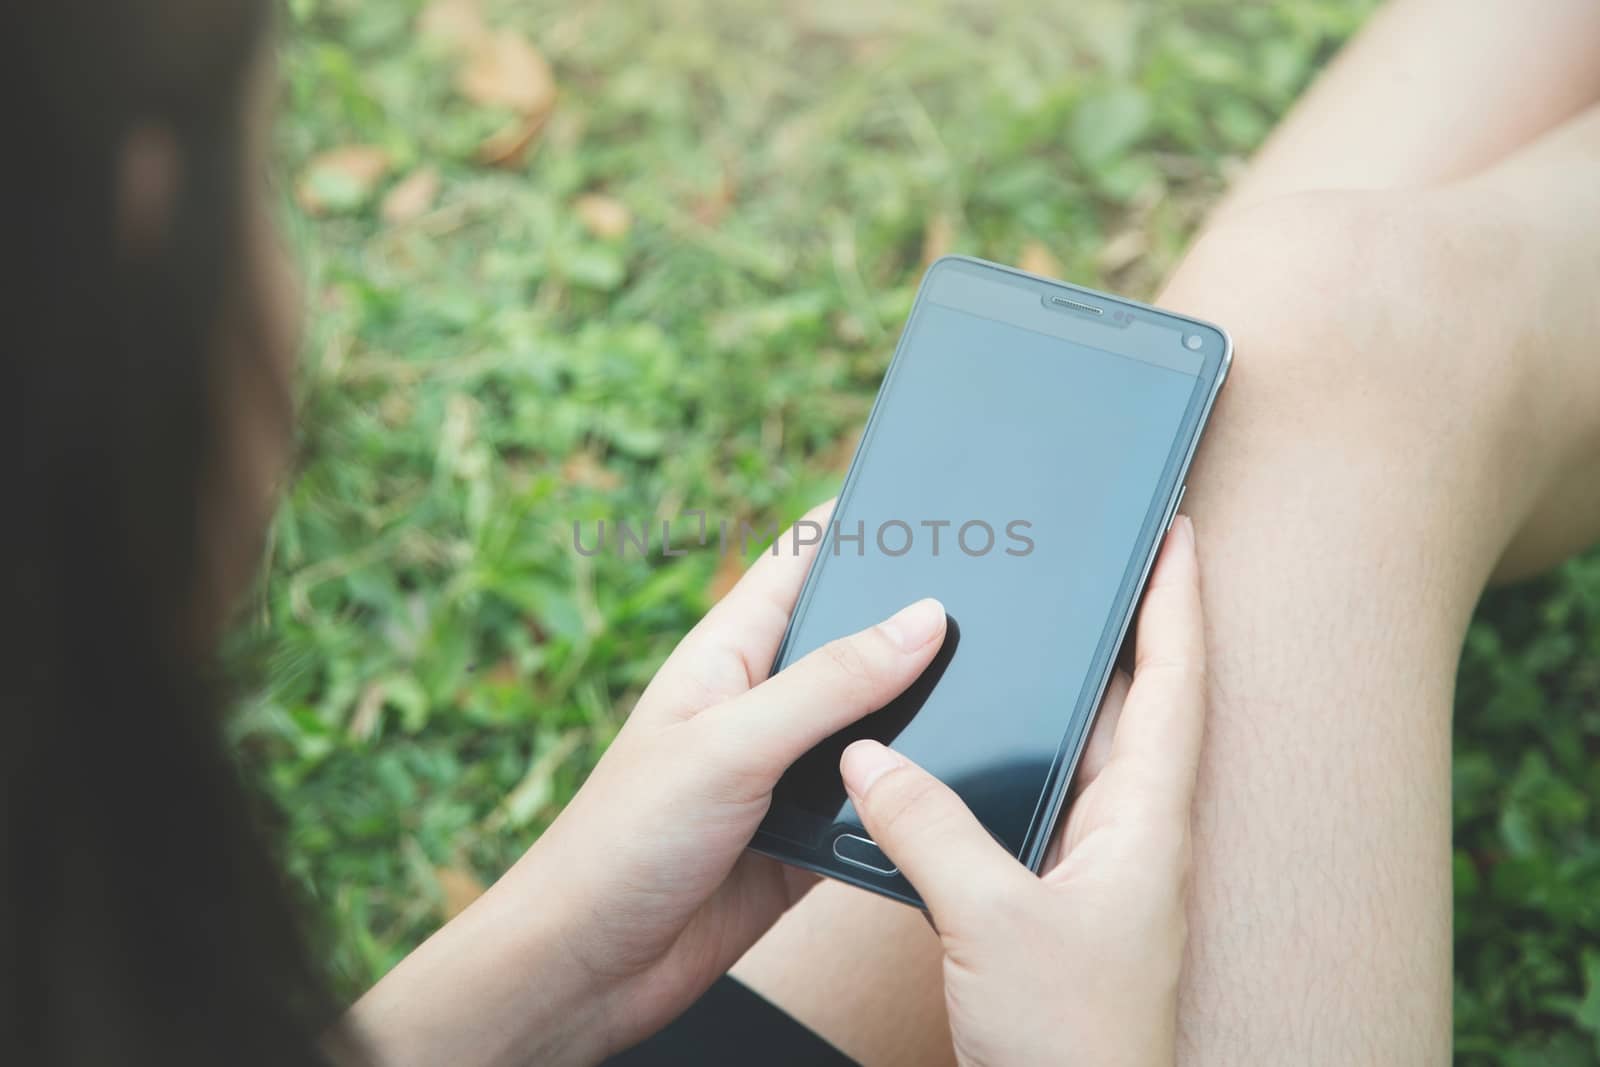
x,y
1025,456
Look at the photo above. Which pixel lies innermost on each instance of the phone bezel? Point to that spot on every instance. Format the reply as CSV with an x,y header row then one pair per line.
x,y
1169,490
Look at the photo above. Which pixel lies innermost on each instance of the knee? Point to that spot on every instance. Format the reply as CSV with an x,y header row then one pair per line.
x,y
1358,312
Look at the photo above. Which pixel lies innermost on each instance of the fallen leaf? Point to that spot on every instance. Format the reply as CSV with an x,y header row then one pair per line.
x,y
1038,259
458,888
505,70
508,146
710,209
411,196
341,179
456,24
584,469
937,238
604,216
506,672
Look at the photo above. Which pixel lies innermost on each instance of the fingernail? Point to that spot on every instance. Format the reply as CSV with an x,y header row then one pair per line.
x,y
1185,528
915,626
864,762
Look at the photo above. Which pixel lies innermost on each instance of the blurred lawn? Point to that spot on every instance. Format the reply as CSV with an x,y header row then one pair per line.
x,y
677,288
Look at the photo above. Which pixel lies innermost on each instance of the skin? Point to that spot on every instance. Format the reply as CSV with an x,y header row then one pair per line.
x,y
624,937
1453,451
1088,955
1408,270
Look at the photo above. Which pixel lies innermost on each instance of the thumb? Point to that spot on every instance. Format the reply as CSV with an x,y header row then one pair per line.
x,y
927,831
766,729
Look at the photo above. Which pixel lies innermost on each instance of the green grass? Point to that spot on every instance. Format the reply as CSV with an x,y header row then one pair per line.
x,y
438,670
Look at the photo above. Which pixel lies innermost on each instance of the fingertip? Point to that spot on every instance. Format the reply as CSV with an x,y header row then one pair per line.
x,y
916,625
1184,527
864,762
1178,560
1171,621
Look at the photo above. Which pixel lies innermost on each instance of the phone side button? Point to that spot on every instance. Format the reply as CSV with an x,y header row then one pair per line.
x,y
862,852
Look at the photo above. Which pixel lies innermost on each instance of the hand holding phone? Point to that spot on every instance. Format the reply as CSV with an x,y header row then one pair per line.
x,y
1026,453
1080,965
642,893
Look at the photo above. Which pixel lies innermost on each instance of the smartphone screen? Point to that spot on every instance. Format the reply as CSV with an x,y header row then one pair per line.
x,y
1022,460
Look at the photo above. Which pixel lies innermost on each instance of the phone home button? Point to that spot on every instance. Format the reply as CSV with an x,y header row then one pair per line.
x,y
861,852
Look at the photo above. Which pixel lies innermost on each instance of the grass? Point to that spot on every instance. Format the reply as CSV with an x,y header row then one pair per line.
x,y
497,356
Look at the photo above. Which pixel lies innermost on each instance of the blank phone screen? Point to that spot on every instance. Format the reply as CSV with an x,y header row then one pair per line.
x,y
1013,468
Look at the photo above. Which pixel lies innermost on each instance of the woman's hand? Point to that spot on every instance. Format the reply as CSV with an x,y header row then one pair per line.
x,y
641,894
651,853
1080,965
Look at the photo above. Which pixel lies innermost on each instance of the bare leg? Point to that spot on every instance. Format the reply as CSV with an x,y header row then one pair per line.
x,y
1349,513
1415,393
1429,91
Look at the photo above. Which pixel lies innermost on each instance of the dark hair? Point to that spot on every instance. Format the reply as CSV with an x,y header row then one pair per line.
x,y
144,918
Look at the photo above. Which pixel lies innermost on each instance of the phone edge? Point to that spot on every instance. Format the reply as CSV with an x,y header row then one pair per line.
x,y
1043,827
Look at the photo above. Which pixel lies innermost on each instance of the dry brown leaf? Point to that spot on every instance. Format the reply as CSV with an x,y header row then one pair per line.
x,y
505,70
710,209
604,216
585,469
458,888
1038,259
505,672
508,146
937,238
1121,251
347,173
452,23
411,196
363,163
